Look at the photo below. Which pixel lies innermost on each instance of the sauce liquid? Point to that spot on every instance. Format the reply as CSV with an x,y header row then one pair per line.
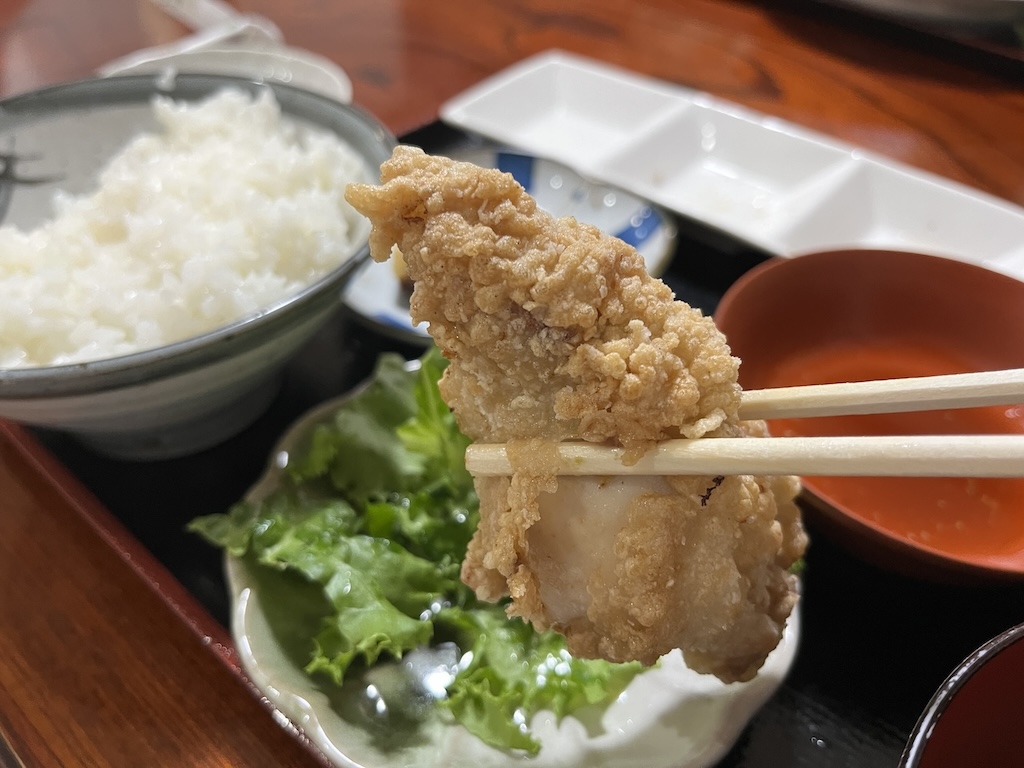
x,y
982,518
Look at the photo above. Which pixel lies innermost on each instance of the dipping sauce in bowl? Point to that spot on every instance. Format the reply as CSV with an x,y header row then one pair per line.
x,y
860,315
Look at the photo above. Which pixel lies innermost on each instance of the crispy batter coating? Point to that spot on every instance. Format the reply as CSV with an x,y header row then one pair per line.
x,y
630,567
555,331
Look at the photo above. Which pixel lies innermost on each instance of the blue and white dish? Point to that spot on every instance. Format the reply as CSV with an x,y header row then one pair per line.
x,y
378,298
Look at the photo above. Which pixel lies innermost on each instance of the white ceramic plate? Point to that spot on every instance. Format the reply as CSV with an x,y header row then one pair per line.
x,y
668,717
377,297
771,183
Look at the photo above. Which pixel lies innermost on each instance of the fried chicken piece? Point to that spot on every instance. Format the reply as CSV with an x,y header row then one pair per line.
x,y
629,567
555,331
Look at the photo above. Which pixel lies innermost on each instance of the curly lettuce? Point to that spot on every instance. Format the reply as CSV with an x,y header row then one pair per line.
x,y
375,511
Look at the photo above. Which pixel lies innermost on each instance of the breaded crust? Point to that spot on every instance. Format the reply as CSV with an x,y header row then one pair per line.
x,y
555,331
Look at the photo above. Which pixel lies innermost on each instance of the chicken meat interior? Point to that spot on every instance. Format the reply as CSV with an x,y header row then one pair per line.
x,y
555,331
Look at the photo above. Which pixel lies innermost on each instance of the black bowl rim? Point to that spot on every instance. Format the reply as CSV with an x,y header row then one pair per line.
x,y
913,753
370,138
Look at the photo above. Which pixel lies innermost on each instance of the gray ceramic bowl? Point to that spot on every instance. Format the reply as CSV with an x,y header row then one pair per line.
x,y
188,395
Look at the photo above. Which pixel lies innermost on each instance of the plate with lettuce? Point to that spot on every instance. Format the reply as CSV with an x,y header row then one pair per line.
x,y
349,616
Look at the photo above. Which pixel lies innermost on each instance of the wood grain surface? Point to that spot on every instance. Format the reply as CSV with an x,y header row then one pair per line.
x,y
922,101
104,658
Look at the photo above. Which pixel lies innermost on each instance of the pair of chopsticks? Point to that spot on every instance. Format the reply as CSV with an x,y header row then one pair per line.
x,y
868,456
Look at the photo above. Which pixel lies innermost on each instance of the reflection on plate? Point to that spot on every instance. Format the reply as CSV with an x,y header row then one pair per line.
x,y
668,717
378,298
775,184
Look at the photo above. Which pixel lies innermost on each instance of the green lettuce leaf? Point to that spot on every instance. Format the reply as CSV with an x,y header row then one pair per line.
x,y
376,511
359,450
515,672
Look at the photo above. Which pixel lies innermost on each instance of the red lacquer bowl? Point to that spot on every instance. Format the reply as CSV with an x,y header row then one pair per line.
x,y
872,314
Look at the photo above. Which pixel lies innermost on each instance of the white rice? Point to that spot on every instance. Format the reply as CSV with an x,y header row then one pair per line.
x,y
228,210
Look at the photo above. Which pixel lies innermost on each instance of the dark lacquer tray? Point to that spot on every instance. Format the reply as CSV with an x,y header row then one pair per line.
x,y
874,645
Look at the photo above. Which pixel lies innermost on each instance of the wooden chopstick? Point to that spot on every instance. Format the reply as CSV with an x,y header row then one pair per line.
x,y
922,393
873,456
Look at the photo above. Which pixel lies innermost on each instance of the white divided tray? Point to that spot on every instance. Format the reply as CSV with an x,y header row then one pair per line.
x,y
773,184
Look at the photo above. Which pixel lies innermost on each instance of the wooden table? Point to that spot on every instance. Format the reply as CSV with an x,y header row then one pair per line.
x,y
113,649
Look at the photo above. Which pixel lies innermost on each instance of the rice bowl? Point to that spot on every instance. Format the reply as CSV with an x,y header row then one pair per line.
x,y
191,389
223,211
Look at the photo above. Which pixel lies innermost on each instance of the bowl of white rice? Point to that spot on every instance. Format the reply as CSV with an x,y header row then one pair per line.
x,y
166,246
